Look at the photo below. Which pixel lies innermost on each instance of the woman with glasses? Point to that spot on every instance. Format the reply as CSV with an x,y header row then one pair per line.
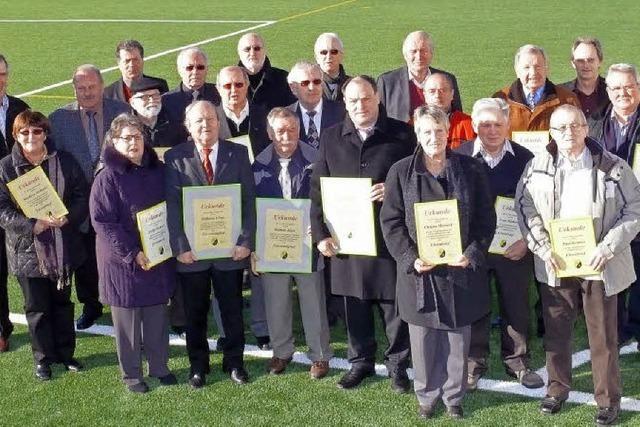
x,y
43,252
131,181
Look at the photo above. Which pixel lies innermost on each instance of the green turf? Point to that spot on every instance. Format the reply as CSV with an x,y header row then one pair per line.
x,y
474,39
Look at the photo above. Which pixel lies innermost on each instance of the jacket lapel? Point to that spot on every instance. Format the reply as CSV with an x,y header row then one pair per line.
x,y
224,157
195,166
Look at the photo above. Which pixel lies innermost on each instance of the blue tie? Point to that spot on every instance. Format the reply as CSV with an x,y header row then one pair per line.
x,y
531,100
94,141
312,134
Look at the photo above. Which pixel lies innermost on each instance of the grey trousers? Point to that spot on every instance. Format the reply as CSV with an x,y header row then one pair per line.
x,y
279,309
439,364
135,327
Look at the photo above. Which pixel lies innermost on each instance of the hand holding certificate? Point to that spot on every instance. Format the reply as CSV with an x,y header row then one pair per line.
x,y
154,234
36,196
438,232
573,242
507,229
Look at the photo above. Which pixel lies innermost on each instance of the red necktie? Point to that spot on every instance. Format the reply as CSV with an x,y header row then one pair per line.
x,y
206,163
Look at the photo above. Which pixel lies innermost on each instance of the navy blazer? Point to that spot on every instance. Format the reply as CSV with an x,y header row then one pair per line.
x,y
16,106
184,169
266,170
332,113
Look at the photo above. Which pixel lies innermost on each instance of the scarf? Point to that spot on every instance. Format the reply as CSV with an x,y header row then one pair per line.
x,y
334,94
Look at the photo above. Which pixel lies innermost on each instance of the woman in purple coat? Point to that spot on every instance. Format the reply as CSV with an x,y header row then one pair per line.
x,y
132,180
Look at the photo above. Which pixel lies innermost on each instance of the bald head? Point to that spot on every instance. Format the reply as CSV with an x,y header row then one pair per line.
x,y
438,91
252,52
417,50
88,87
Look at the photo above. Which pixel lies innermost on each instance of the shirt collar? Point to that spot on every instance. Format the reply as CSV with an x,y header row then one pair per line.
x,y
537,94
478,148
584,161
317,109
417,83
237,119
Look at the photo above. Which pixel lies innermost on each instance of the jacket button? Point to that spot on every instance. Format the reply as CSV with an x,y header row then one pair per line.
x,y
363,165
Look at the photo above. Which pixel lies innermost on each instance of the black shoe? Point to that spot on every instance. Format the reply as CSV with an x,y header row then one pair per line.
x,y
399,380
239,376
87,319
197,381
354,377
264,343
606,416
43,372
220,344
551,405
73,365
140,387
527,378
426,412
455,412
168,379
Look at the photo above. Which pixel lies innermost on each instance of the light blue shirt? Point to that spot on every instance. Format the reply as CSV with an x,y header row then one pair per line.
x,y
4,108
537,95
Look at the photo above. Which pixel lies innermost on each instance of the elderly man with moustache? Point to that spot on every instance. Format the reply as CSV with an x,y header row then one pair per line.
x,y
208,160
267,84
10,107
130,57
617,128
79,128
329,54
401,91
504,161
438,92
314,112
364,145
575,178
589,86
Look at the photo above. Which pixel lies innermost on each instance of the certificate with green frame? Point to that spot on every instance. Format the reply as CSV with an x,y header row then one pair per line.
x,y
438,231
154,233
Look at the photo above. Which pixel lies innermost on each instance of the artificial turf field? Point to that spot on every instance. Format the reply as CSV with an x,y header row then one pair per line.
x,y
474,40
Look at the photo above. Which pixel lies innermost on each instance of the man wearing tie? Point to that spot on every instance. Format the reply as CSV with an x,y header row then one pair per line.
x,y
207,160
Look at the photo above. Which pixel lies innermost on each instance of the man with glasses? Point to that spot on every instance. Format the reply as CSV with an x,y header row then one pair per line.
x,y
575,178
146,102
314,112
617,128
329,53
267,84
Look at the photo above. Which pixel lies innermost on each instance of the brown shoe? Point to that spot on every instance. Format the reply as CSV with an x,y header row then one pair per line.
x,y
277,366
319,369
4,344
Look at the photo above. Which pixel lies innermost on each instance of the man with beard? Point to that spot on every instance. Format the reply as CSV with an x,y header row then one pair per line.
x,y
329,53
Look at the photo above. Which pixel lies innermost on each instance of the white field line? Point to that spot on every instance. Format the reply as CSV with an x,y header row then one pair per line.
x,y
511,387
144,21
156,55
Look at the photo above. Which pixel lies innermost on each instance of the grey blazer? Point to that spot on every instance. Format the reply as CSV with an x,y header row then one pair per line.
x,y
184,169
393,88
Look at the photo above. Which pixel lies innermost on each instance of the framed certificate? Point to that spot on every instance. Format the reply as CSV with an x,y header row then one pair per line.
x,y
161,151
533,141
438,231
154,233
507,229
246,142
636,162
36,196
573,240
348,212
212,218
283,244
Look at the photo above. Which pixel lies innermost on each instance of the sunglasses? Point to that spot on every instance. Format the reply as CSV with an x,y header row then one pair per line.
x,y
331,51
255,48
305,83
237,85
197,67
36,131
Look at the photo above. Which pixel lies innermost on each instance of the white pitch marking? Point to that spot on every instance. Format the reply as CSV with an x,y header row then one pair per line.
x,y
511,387
151,21
155,55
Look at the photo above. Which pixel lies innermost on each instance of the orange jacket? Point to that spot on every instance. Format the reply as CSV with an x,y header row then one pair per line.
x,y
460,129
522,118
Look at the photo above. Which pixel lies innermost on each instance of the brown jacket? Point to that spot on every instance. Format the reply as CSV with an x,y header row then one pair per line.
x,y
524,119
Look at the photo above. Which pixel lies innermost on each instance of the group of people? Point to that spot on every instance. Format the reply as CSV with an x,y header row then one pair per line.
x,y
106,156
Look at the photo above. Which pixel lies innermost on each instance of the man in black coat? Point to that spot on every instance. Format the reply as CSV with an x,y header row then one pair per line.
x,y
364,145
10,107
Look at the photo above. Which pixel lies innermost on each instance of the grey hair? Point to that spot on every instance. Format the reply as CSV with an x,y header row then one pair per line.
x,y
568,108
331,36
529,48
87,68
119,123
302,66
623,68
423,35
190,50
431,112
496,105
280,113
233,68
195,104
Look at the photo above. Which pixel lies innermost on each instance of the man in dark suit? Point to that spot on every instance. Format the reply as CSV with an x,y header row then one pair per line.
x,y
79,128
130,57
207,160
314,112
10,107
364,145
268,84
402,90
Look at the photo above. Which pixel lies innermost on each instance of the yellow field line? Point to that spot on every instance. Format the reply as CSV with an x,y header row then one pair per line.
x,y
51,96
310,12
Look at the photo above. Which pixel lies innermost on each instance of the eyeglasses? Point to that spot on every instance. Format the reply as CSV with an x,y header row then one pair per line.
x,y
147,98
573,126
34,131
628,88
331,51
237,85
305,83
131,138
197,67
250,48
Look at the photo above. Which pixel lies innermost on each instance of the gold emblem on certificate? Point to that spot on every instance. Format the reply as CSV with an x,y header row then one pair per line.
x,y
507,229
36,196
534,141
154,233
212,223
438,231
573,241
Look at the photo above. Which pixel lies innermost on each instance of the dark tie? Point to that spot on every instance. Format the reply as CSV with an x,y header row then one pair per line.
x,y
94,141
195,94
312,133
206,163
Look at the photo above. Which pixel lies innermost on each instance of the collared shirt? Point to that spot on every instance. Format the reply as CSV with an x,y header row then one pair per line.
x,y
213,156
491,160
620,128
237,119
421,84
317,118
365,133
576,199
537,94
4,109
99,122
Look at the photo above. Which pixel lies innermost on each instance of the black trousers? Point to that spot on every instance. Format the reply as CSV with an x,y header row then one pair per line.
x,y
227,288
86,276
49,315
629,303
6,327
362,338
